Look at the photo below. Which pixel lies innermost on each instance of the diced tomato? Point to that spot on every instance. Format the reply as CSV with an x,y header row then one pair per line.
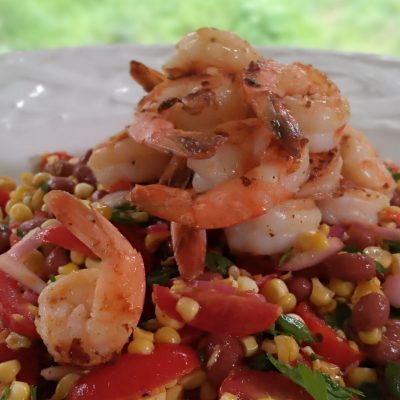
x,y
234,313
135,375
14,239
4,197
15,311
29,359
61,236
62,155
190,335
329,345
252,385
121,185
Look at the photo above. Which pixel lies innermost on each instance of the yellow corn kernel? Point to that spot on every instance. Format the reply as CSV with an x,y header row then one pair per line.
x,y
193,380
153,240
274,289
214,356
92,262
83,190
395,264
230,281
26,177
103,209
207,391
354,345
20,212
287,348
269,346
37,200
320,294
64,386
174,393
139,333
77,258
16,341
177,286
370,337
324,228
40,178
67,268
19,391
246,284
8,371
357,376
366,287
187,308
151,324
166,334
250,345
307,241
378,254
341,288
287,302
331,306
7,183
49,222
34,261
140,346
165,320
228,396
327,368
27,200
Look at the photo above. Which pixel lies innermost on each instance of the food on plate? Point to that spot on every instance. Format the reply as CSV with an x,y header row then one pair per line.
x,y
239,240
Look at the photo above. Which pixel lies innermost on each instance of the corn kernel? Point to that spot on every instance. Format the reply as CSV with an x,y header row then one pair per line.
x,y
153,240
354,345
67,268
40,178
20,212
16,341
193,380
34,261
177,286
139,333
269,346
18,193
331,306
37,200
64,386
77,258
341,288
83,190
250,345
324,228
8,371
357,376
287,302
214,356
274,289
166,334
7,183
327,368
92,263
366,287
19,391
165,320
308,241
207,391
320,295
26,177
287,348
370,337
246,284
378,254
228,396
103,209
187,308
175,393
140,346
395,264
27,200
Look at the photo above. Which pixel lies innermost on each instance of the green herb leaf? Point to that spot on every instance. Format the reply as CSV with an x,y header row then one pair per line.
x,y
294,327
371,391
126,214
6,393
52,278
380,268
19,232
216,262
396,176
314,357
351,249
285,256
260,362
392,375
337,318
33,393
161,276
45,186
392,246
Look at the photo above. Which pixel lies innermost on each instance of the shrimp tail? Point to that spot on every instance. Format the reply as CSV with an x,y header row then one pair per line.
x,y
145,76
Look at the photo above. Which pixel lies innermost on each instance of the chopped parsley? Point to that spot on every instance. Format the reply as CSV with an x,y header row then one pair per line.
x,y
337,318
216,262
161,276
392,375
294,327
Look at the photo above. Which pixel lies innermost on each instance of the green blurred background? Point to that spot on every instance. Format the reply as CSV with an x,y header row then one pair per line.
x,y
352,25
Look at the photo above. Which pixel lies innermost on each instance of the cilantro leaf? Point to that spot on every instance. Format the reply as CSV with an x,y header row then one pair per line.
x,y
216,262
396,176
33,393
126,214
371,391
161,276
392,375
392,246
260,362
337,318
6,393
285,256
294,327
380,268
45,186
351,249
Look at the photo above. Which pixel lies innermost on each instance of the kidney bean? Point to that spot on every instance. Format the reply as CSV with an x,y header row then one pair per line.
x,y
370,312
5,233
83,173
61,183
388,349
354,267
98,194
33,223
60,168
300,287
395,201
56,258
85,158
360,237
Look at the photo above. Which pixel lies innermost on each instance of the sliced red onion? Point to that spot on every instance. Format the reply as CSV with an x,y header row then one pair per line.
x,y
115,199
157,228
391,288
380,232
310,258
337,231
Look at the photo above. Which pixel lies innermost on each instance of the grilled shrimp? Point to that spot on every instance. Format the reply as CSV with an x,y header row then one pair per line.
x,y
86,317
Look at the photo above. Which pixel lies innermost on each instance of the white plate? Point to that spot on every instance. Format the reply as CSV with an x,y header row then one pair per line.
x,y
69,99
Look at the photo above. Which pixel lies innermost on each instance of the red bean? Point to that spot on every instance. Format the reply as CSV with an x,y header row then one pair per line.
x,y
5,233
83,173
354,267
56,258
85,158
61,183
388,349
395,199
60,168
300,287
359,237
370,312
33,223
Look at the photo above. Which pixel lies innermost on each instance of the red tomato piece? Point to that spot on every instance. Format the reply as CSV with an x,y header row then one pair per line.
x,y
252,385
14,239
15,310
190,335
237,313
61,236
332,347
121,185
4,197
135,375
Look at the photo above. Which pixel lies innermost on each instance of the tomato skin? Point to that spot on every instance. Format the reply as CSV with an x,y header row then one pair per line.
x,y
333,348
134,375
247,384
12,302
4,197
237,313
121,185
